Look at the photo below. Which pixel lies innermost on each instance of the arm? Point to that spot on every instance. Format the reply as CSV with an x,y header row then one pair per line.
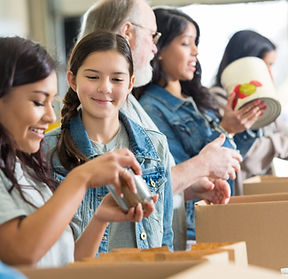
x,y
213,161
27,241
108,211
168,209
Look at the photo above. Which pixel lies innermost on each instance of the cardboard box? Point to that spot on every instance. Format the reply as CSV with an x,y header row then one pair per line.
x,y
236,250
260,220
125,270
159,255
264,185
227,271
172,270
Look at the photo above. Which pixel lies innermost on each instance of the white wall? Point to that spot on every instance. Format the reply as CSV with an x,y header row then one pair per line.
x,y
13,18
219,22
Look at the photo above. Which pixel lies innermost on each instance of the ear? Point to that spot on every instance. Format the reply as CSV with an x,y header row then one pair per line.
x,y
71,80
131,84
126,31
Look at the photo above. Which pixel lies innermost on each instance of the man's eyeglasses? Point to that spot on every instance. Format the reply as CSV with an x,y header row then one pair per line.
x,y
155,35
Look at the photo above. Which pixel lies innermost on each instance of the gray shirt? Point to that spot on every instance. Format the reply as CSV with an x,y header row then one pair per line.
x,y
135,111
118,231
12,206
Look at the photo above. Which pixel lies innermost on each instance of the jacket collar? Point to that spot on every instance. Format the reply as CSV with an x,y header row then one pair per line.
x,y
167,99
140,143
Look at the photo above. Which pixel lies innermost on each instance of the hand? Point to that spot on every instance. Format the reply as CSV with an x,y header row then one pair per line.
x,y
240,120
109,211
108,168
221,162
215,191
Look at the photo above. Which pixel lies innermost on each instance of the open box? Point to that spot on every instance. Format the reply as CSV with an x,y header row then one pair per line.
x,y
156,270
260,220
265,184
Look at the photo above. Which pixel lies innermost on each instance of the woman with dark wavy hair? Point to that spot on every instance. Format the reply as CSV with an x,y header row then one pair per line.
x,y
34,222
180,106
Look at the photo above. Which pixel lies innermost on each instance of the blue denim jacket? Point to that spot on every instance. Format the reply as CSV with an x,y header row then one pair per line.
x,y
148,148
188,130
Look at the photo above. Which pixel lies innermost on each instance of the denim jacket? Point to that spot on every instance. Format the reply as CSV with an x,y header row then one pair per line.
x,y
147,146
188,130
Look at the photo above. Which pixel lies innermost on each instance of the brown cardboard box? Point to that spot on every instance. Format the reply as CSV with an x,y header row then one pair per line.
x,y
260,220
227,271
159,270
125,270
265,184
236,250
159,255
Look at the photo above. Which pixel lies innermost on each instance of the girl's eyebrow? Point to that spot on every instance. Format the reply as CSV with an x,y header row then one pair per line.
x,y
95,71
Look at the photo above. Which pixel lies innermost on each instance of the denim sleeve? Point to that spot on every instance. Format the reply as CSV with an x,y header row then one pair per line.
x,y
168,209
163,124
245,140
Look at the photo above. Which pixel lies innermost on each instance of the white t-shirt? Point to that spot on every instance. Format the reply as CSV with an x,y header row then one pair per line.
x,y
12,206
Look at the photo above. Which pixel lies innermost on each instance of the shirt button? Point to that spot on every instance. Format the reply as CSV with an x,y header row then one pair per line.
x,y
153,184
104,238
143,236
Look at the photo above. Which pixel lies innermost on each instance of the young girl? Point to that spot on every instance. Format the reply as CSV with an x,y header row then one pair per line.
x,y
100,76
180,106
34,224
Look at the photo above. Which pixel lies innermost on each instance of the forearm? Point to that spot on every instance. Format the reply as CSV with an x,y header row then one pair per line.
x,y
26,242
187,173
88,243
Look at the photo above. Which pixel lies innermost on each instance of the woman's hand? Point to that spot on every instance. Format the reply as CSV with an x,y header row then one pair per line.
x,y
108,168
109,211
238,121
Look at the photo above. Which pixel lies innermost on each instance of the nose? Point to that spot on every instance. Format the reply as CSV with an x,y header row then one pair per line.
x,y
194,50
49,116
104,86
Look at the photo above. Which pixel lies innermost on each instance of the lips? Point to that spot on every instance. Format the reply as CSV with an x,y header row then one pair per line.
x,y
38,130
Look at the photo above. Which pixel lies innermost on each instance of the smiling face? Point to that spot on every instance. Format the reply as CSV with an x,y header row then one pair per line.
x,y
178,59
26,111
102,84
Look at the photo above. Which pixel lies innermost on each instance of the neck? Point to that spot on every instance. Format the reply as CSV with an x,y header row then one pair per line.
x,y
101,130
174,87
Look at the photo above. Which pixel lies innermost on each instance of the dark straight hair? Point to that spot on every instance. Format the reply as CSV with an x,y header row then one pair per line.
x,y
242,44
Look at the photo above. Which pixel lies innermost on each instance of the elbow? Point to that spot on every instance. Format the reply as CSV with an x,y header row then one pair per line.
x,y
20,258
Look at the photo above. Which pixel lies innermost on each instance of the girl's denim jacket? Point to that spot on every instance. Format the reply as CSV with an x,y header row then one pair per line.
x,y
187,129
148,149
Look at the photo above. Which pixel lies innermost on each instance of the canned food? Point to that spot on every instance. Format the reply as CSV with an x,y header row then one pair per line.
x,y
130,199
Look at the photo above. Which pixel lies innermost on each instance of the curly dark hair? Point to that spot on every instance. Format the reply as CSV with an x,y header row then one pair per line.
x,y
22,62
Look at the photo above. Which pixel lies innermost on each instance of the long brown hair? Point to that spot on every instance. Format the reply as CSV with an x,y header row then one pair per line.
x,y
66,149
22,62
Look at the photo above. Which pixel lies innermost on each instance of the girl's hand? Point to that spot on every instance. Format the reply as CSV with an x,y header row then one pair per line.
x,y
109,211
108,168
238,121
